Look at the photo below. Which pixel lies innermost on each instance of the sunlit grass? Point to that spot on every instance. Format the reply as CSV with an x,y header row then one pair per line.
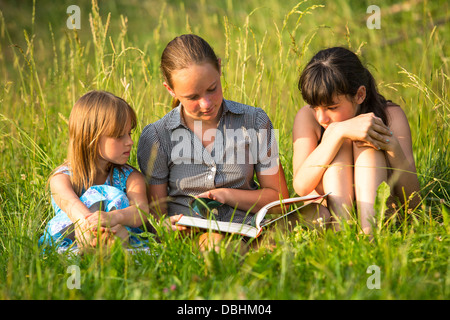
x,y
45,67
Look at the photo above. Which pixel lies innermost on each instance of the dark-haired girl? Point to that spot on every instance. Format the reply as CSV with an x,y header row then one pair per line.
x,y
349,138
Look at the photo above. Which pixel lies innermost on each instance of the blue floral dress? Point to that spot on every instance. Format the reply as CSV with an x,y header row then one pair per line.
x,y
110,196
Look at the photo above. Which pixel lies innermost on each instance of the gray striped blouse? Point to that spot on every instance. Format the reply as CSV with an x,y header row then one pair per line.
x,y
245,143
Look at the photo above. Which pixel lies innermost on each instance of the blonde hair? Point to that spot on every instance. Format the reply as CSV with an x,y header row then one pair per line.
x,y
95,114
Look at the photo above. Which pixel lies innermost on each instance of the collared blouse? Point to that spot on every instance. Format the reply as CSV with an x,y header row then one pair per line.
x,y
245,143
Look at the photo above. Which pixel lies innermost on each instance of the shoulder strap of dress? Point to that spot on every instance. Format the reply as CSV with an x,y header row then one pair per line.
x,y
120,177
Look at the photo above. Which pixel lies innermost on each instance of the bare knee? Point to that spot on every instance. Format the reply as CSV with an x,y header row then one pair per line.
x,y
339,180
210,241
370,172
341,166
368,156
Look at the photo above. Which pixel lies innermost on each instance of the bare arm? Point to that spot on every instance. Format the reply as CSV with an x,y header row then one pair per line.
x,y
400,156
132,216
69,202
273,185
66,198
311,160
135,214
157,195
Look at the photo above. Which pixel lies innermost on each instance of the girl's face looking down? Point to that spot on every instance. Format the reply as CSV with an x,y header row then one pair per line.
x,y
199,90
115,150
343,109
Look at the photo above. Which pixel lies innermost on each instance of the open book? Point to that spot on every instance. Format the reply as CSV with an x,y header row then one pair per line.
x,y
253,229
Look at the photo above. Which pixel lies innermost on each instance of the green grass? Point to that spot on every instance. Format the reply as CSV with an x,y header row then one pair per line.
x,y
45,67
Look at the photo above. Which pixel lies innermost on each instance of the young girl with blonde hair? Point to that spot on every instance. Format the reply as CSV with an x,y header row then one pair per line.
x,y
96,168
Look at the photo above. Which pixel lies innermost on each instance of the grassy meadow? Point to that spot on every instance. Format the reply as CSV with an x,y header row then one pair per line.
x,y
45,67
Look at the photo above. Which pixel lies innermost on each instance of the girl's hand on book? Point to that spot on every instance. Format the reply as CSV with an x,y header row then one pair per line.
x,y
170,223
219,195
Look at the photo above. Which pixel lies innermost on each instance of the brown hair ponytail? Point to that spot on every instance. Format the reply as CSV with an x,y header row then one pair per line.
x,y
182,52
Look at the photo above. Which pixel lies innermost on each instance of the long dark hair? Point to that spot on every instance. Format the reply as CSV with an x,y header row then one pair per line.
x,y
337,71
182,52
